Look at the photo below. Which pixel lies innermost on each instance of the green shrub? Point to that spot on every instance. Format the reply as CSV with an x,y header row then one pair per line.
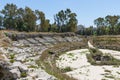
x,y
71,54
12,60
12,56
6,34
32,66
23,74
14,37
111,77
108,71
93,50
67,69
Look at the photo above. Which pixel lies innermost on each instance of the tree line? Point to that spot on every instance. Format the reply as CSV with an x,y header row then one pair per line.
x,y
25,19
109,25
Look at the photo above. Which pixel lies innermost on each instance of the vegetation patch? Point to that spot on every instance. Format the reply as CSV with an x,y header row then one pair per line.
x,y
47,60
12,56
96,57
67,69
84,52
110,76
32,66
107,42
71,54
12,60
108,71
23,74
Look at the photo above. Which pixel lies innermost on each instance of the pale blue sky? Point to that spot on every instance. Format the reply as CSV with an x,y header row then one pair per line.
x,y
86,10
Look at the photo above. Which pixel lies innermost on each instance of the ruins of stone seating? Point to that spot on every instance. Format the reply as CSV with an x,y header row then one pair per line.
x,y
25,49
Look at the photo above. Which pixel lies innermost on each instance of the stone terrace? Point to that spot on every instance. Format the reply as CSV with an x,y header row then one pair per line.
x,y
26,48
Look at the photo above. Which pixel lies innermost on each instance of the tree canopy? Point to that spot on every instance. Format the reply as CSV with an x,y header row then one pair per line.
x,y
66,21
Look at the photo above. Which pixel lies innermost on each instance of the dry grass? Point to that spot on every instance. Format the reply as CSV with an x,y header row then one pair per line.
x,y
107,42
4,41
1,57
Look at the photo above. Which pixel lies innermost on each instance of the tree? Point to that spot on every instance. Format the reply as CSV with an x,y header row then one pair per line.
x,y
117,28
47,25
112,22
72,24
81,29
1,20
21,26
101,24
66,21
10,12
53,28
43,22
29,19
89,30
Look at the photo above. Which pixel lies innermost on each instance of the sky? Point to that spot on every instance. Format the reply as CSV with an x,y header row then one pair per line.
x,y
87,10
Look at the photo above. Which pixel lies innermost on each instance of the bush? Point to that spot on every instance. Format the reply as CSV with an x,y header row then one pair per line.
x,y
12,56
67,69
6,34
12,60
23,74
90,59
32,66
93,50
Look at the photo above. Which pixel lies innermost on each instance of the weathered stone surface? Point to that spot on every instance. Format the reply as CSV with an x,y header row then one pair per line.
x,y
33,74
50,39
60,39
16,73
21,57
22,67
32,40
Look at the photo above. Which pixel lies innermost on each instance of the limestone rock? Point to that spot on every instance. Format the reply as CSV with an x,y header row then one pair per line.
x,y
22,67
16,73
